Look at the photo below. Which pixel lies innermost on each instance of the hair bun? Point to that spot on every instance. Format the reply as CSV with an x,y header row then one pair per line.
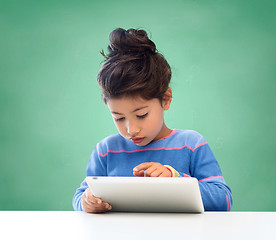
x,y
131,41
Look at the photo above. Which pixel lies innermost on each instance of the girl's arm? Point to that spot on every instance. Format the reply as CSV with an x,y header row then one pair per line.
x,y
96,167
216,195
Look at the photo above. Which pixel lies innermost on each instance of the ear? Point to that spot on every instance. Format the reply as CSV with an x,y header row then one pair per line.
x,y
167,99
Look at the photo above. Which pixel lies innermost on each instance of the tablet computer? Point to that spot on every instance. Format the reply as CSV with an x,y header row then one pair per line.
x,y
148,194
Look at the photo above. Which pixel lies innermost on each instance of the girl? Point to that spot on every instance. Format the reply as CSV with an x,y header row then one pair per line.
x,y
135,86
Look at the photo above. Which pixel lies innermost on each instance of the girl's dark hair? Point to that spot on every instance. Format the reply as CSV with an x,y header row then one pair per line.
x,y
133,67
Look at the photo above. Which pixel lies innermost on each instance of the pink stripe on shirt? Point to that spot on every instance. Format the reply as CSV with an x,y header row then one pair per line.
x,y
173,132
151,149
227,203
211,177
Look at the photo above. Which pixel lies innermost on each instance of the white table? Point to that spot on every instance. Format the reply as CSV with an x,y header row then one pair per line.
x,y
79,225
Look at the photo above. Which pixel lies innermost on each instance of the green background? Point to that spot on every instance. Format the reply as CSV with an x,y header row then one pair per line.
x,y
222,55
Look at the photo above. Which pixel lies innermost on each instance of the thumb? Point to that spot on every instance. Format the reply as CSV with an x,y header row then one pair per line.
x,y
91,198
88,192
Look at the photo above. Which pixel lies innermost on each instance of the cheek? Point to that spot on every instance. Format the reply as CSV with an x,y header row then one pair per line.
x,y
120,127
156,122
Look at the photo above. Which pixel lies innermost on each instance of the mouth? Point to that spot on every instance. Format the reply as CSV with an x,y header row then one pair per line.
x,y
137,140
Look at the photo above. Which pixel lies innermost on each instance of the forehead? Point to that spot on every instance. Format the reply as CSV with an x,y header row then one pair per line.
x,y
129,103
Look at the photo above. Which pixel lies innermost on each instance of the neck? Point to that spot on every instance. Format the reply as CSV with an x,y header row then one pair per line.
x,y
165,131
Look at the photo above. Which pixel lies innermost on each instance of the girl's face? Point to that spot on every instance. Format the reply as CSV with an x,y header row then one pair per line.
x,y
141,121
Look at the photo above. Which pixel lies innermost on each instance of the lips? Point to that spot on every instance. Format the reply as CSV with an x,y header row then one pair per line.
x,y
137,140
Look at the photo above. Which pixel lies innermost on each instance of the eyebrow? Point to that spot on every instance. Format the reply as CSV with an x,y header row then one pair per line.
x,y
137,109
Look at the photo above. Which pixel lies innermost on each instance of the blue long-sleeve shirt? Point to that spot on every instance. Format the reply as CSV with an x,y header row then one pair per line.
x,y
186,151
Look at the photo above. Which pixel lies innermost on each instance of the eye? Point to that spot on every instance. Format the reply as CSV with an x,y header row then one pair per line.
x,y
142,116
119,119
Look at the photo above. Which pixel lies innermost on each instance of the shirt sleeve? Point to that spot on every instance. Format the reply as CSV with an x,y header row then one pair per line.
x,y
96,167
174,173
216,195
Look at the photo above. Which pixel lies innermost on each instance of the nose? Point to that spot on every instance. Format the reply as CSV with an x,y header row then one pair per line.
x,y
132,129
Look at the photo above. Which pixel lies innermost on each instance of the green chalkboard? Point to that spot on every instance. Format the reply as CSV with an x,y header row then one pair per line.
x,y
222,55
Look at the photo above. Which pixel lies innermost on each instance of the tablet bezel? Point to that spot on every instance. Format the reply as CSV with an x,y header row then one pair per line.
x,y
148,194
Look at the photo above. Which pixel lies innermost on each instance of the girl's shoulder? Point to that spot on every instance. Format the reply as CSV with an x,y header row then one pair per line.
x,y
189,137
113,142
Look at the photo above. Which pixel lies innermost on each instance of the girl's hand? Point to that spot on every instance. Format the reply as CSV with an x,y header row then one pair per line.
x,y
151,169
91,204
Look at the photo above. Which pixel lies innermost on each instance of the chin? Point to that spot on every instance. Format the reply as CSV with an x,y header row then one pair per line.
x,y
142,144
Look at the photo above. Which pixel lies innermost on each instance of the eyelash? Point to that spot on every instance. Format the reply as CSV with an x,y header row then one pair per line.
x,y
119,119
140,117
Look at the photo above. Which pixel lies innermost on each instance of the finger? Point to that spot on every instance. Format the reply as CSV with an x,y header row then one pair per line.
x,y
100,210
139,174
166,174
104,206
143,166
156,173
101,204
96,207
97,200
150,170
94,200
107,206
93,209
